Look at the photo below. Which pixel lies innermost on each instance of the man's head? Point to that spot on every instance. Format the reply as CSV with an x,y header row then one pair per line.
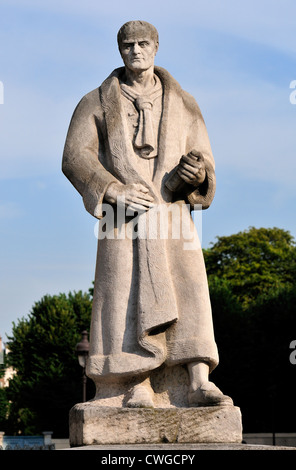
x,y
137,28
138,44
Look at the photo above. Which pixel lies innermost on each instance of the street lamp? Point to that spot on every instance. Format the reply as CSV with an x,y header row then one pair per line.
x,y
82,349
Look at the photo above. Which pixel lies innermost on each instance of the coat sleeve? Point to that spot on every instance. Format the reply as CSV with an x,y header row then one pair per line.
x,y
198,139
81,163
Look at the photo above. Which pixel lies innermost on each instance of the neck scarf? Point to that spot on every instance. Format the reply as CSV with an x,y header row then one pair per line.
x,y
145,139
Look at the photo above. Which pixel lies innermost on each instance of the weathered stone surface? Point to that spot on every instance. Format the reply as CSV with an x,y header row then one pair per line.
x,y
170,385
92,424
180,447
139,142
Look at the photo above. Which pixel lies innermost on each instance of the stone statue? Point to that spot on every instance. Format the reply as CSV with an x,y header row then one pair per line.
x,y
139,143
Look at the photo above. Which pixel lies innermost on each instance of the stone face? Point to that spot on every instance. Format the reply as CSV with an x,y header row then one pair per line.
x,y
93,424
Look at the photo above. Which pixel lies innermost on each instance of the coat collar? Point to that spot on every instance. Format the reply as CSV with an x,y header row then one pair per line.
x,y
125,161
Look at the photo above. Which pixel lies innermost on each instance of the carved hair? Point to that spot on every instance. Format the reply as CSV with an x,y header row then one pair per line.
x,y
136,27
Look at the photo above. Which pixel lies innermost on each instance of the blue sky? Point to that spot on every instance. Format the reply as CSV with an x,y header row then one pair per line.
x,y
237,59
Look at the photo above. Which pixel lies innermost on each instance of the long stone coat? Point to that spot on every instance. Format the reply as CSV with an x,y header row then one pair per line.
x,y
151,302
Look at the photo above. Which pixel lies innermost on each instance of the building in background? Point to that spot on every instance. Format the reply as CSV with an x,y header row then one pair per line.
x,y
8,371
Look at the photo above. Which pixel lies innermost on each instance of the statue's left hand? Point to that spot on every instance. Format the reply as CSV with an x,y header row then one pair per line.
x,y
192,170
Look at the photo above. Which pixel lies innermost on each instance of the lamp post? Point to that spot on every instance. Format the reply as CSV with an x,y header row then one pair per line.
x,y
82,349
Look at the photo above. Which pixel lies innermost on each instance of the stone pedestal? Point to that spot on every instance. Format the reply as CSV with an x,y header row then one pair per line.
x,y
93,424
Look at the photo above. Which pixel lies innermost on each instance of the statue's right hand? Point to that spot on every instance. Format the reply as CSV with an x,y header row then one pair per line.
x,y
136,196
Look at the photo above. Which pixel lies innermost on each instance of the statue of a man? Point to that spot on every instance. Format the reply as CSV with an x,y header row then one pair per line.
x,y
139,142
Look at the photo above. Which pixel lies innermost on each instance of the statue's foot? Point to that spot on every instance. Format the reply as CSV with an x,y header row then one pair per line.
x,y
141,396
208,395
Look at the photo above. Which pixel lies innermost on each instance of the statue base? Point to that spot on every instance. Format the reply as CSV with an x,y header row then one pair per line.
x,y
94,424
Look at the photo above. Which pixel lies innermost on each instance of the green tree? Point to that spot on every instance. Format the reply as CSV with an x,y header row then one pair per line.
x,y
4,408
251,280
271,390
253,262
42,351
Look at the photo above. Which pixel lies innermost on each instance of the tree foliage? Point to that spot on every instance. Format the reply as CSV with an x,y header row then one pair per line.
x,y
254,363
254,262
42,351
253,295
